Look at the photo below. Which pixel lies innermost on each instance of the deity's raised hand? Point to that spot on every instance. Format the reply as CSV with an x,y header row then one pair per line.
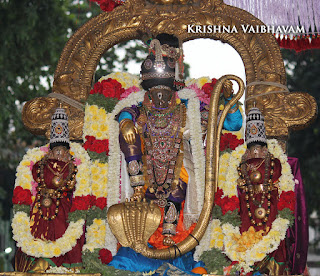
x,y
128,130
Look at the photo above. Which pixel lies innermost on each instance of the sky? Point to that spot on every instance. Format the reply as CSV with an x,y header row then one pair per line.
x,y
208,58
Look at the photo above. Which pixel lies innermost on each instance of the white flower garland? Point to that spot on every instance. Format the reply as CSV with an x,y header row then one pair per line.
x,y
42,248
21,221
258,251
271,241
95,235
193,114
99,179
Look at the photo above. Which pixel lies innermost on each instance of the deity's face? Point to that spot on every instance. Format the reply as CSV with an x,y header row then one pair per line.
x,y
257,151
161,97
60,153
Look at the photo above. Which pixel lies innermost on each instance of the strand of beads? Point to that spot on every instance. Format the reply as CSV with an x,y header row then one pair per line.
x,y
259,212
49,194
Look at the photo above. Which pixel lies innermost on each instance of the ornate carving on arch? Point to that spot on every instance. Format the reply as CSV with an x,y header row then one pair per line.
x,y
260,54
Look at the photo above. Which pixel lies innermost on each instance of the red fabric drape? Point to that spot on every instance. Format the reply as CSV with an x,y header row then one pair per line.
x,y
300,43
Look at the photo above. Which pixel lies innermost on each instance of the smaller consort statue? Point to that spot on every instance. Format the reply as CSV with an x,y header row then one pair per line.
x,y
55,178
259,174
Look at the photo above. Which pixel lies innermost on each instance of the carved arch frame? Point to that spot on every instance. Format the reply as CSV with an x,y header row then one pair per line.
x,y
259,51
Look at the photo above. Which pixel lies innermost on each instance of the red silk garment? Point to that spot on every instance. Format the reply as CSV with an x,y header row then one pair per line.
x,y
54,229
279,255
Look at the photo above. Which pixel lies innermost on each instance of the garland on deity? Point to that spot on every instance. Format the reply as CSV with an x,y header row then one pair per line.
x,y
24,196
223,236
107,98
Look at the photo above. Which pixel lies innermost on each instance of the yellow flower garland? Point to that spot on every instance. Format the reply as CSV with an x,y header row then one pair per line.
x,y
21,221
228,183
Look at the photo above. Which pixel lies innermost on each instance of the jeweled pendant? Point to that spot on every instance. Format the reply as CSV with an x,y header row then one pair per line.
x,y
57,180
46,202
260,213
162,202
255,176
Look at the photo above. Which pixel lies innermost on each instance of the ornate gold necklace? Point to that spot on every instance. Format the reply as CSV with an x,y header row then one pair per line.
x,y
260,212
57,180
255,175
162,155
48,194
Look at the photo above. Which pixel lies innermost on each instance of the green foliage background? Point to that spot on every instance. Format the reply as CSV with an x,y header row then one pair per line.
x,y
303,70
33,34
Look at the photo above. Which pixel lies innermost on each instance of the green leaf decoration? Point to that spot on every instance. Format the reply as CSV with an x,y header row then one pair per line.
x,y
286,213
96,213
93,264
21,208
76,215
102,157
229,217
100,100
214,261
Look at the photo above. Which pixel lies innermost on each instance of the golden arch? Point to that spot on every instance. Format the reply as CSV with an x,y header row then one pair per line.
x,y
260,54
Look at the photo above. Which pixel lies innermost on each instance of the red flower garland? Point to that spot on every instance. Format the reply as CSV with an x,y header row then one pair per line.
x,y
110,88
100,202
105,256
81,203
21,196
287,200
229,141
96,145
226,203
208,87
107,5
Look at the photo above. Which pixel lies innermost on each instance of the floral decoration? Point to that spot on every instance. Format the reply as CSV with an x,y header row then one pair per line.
x,y
102,146
108,5
249,247
127,80
226,203
203,87
105,256
287,200
41,248
229,141
110,88
94,235
21,220
21,196
96,145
